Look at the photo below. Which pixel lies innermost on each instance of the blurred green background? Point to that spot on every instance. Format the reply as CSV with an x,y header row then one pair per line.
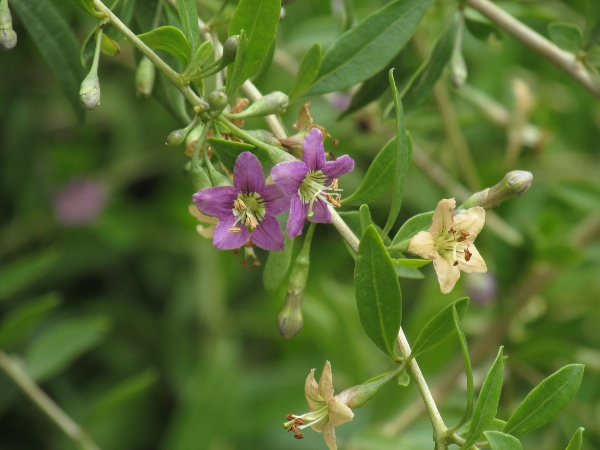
x,y
151,339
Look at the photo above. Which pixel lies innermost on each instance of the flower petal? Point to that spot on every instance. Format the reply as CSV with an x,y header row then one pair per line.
x,y
289,176
339,412
313,151
447,273
471,221
337,168
247,173
423,245
326,382
321,213
216,201
223,239
329,436
311,391
276,200
475,264
443,216
268,234
298,211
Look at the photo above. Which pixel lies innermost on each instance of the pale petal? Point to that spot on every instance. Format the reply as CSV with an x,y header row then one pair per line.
x,y
443,216
447,274
206,232
339,412
329,436
475,264
247,173
471,221
311,391
423,245
326,382
313,151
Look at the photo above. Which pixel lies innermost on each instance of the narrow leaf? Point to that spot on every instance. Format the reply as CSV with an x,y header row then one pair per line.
x,y
464,348
277,266
592,23
378,295
202,54
228,151
577,440
189,20
411,263
307,72
545,401
440,326
367,48
234,79
171,98
365,218
566,35
502,441
24,272
169,39
412,226
487,402
57,44
259,19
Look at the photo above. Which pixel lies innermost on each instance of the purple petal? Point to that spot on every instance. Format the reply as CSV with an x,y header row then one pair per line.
x,y
247,173
321,212
216,201
276,201
223,239
289,176
298,212
268,234
337,168
313,152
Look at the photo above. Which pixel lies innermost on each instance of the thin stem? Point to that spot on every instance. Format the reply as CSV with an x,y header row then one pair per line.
x,y
566,61
45,403
344,230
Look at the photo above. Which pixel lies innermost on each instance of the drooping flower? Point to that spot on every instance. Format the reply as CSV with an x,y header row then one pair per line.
x,y
449,243
326,410
245,210
309,181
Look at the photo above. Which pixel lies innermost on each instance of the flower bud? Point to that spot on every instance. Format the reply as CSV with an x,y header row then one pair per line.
x,y
176,137
89,92
459,72
8,37
229,50
144,77
357,396
513,185
273,103
217,100
109,46
198,176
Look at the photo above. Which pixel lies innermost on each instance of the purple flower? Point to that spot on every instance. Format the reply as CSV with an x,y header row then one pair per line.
x,y
308,182
245,210
79,203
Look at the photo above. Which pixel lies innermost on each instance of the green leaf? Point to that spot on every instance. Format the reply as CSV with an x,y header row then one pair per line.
x,y
411,263
401,160
56,348
235,80
228,151
487,402
24,272
480,27
19,322
88,6
265,65
171,98
57,44
259,19
502,441
464,349
420,222
277,266
364,50
169,39
378,295
592,23
566,35
440,326
577,440
364,216
307,72
189,20
202,54
545,401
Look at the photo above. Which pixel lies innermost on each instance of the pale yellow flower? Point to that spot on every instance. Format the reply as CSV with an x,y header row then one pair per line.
x,y
449,243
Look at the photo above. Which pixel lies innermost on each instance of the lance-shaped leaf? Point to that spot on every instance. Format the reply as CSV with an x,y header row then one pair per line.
x,y
577,440
502,441
364,216
234,72
378,295
412,226
259,19
464,349
545,401
277,266
169,39
228,151
411,263
440,326
19,275
307,72
487,402
367,48
189,20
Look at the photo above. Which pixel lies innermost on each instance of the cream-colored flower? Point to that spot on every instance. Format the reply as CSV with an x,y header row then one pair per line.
x,y
326,410
449,243
206,232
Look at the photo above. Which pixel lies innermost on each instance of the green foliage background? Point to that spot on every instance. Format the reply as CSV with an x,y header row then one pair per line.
x,y
152,339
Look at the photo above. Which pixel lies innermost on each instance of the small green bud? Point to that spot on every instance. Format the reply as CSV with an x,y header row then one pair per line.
x,y
199,177
229,50
109,46
89,93
513,185
217,100
289,320
273,103
176,137
459,72
144,77
8,37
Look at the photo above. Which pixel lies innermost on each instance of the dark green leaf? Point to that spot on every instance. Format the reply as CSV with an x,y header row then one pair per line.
x,y
202,54
420,222
592,23
277,266
307,72
60,345
259,19
378,295
365,218
88,6
24,272
171,98
487,402
228,151
56,42
406,272
234,79
502,441
481,28
411,263
440,326
169,39
566,35
577,440
189,20
19,322
367,48
545,401
265,65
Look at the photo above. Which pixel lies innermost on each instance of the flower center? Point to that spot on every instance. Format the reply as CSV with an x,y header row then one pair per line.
x,y
451,245
296,423
314,188
249,209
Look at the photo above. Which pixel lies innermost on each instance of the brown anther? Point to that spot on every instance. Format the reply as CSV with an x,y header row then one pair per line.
x,y
468,254
464,233
293,428
244,264
256,263
235,251
290,416
299,436
299,421
333,201
452,230
234,230
455,263
334,184
461,239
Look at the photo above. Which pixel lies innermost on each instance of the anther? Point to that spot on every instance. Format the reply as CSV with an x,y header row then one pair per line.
x,y
239,205
299,436
331,200
234,230
468,254
299,421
